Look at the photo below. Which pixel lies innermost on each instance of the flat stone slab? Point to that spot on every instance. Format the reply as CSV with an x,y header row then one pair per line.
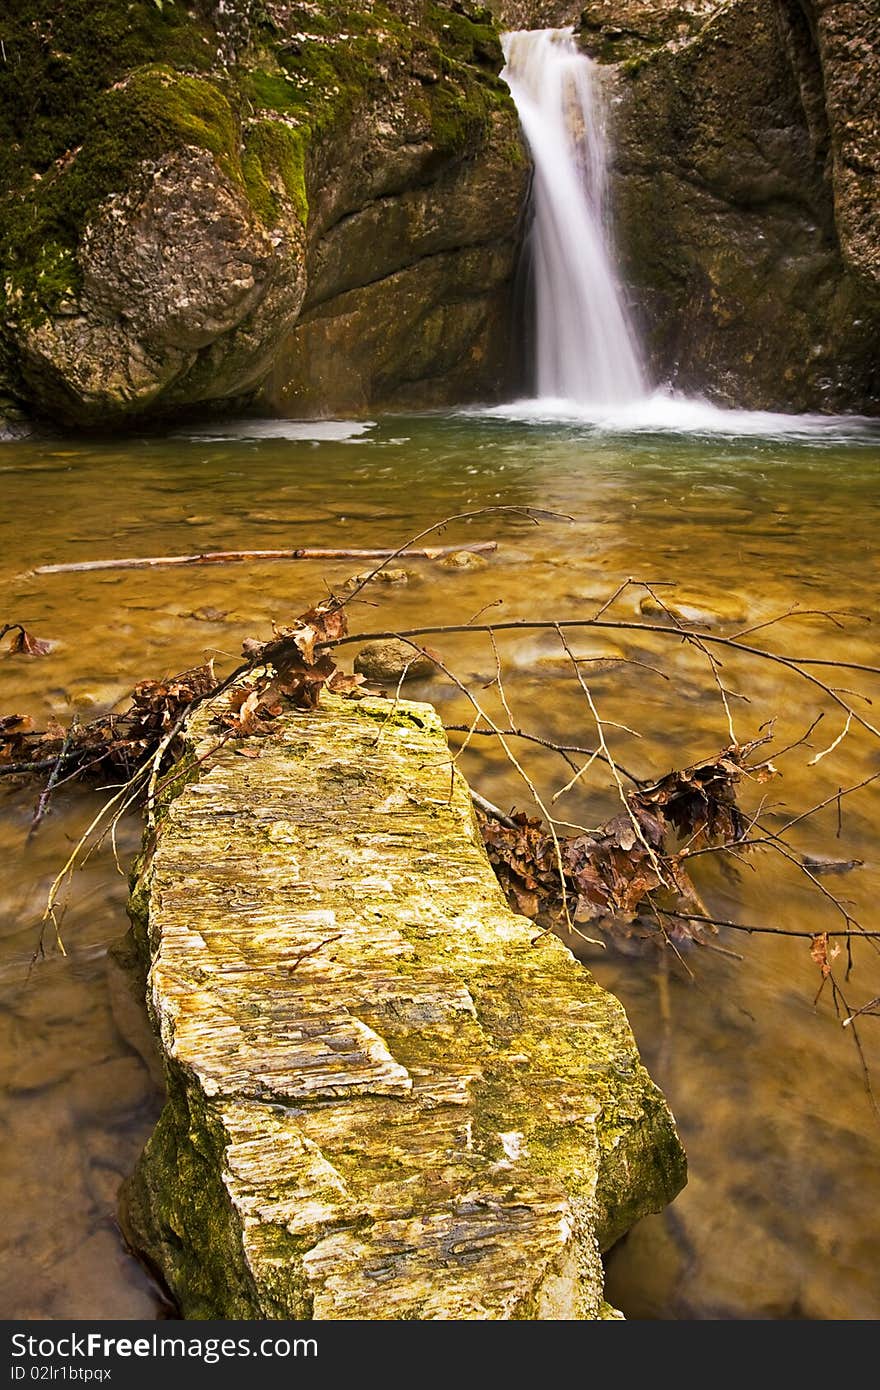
x,y
388,1095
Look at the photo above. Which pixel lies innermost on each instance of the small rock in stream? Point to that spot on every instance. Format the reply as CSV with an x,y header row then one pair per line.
x,y
700,613
463,560
391,660
386,576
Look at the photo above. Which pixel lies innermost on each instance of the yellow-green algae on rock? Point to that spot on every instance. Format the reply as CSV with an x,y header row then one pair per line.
x,y
386,1098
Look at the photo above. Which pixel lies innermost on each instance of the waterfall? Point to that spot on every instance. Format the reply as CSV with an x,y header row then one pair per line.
x,y
585,349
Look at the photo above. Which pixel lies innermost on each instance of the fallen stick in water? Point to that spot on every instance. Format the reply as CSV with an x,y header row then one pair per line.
x,y
226,557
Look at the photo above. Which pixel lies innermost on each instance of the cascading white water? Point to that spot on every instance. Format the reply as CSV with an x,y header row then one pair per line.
x,y
585,349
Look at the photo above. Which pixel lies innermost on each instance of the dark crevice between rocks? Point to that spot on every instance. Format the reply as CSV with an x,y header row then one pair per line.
x,y
799,38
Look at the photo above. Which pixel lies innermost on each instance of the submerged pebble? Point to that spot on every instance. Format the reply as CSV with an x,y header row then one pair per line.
x,y
392,660
463,560
695,610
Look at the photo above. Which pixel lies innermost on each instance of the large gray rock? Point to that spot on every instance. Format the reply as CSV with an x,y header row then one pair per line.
x,y
388,1096
184,295
205,169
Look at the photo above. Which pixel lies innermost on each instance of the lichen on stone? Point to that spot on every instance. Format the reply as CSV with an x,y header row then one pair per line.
x,y
375,1070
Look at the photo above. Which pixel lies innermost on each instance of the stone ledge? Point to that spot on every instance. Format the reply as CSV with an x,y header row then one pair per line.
x,y
384,1100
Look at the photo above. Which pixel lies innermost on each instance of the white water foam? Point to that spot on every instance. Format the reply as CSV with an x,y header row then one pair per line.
x,y
307,431
588,370
665,412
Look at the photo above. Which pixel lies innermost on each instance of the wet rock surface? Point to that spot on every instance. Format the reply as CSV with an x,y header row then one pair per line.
x,y
748,133
183,296
392,660
386,1097
198,177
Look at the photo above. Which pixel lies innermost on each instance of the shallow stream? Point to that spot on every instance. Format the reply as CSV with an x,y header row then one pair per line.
x,y
779,1218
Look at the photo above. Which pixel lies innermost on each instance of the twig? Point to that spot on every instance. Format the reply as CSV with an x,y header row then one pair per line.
x,y
492,810
794,612
714,663
18,769
831,747
600,729
393,710
631,583
228,557
46,793
156,763
49,913
313,950
798,742
751,928
563,749
837,993
515,763
868,1008
794,664
534,514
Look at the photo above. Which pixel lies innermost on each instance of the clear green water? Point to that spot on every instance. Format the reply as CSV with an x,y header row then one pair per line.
x,y
779,1217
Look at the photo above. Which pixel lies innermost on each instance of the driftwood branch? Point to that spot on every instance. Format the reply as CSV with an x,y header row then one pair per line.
x,y
228,557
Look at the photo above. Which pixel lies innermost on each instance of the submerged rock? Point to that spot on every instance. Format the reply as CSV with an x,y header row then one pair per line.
x,y
386,1097
382,576
391,660
694,610
595,656
463,560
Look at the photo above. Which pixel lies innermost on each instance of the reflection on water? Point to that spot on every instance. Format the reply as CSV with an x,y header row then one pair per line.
x,y
778,1216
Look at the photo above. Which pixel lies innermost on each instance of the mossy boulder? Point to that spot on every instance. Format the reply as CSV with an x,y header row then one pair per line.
x,y
171,178
388,1096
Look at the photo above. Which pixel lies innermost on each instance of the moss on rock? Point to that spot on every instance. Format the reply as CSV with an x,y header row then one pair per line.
x,y
375,1071
96,97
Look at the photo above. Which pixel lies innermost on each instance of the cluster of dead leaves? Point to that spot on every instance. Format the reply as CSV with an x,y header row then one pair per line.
x,y
157,705
114,744
294,670
629,867
524,860
289,667
700,801
18,739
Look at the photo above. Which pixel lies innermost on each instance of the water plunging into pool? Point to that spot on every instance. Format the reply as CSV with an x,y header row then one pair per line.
x,y
585,347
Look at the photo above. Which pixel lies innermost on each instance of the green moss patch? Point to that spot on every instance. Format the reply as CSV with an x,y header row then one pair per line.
x,y
90,89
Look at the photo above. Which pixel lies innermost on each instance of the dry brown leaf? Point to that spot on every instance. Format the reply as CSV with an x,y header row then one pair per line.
x,y
26,644
342,684
819,953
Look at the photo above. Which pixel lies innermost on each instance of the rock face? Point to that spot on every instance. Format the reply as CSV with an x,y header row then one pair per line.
x,y
747,142
386,1098
183,295
410,298
413,236
315,208
192,176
